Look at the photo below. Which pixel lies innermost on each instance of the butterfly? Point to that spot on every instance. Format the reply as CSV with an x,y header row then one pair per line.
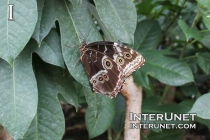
x,y
108,64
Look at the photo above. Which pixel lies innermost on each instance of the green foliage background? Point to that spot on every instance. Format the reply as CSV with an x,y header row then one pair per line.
x,y
39,65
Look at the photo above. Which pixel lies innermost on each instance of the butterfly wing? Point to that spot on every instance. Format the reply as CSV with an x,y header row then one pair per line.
x,y
105,76
127,58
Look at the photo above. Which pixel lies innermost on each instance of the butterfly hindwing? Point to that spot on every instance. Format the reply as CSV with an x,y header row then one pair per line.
x,y
129,59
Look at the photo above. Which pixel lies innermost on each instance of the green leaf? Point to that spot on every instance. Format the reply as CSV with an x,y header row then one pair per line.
x,y
106,32
205,40
147,35
151,105
49,120
204,61
186,105
65,85
46,19
50,50
99,114
75,2
202,106
188,31
119,17
206,122
141,78
72,21
172,134
205,3
206,21
167,70
16,33
18,93
189,90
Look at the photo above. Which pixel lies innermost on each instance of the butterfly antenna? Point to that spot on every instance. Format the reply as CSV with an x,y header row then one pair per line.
x,y
83,37
76,62
72,46
88,33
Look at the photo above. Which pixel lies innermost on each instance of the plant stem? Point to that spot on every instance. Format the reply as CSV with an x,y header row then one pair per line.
x,y
118,136
174,19
133,98
109,131
187,43
185,47
164,94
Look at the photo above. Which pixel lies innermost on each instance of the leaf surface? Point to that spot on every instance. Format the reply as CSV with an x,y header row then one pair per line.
x,y
167,70
99,114
16,33
50,49
119,17
46,19
202,106
147,35
18,92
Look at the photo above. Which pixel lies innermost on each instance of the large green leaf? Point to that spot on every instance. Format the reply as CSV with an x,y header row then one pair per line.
x,y
46,19
202,106
147,35
65,85
16,33
167,70
141,76
49,120
106,32
18,93
75,23
99,114
50,50
119,17
188,31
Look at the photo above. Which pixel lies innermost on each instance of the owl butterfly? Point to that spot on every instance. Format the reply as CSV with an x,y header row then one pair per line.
x,y
108,64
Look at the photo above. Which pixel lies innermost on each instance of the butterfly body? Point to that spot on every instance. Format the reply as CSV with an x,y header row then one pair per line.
x,y
108,64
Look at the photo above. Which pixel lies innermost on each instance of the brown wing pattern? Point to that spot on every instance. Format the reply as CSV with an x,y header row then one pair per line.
x,y
129,59
106,77
108,64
